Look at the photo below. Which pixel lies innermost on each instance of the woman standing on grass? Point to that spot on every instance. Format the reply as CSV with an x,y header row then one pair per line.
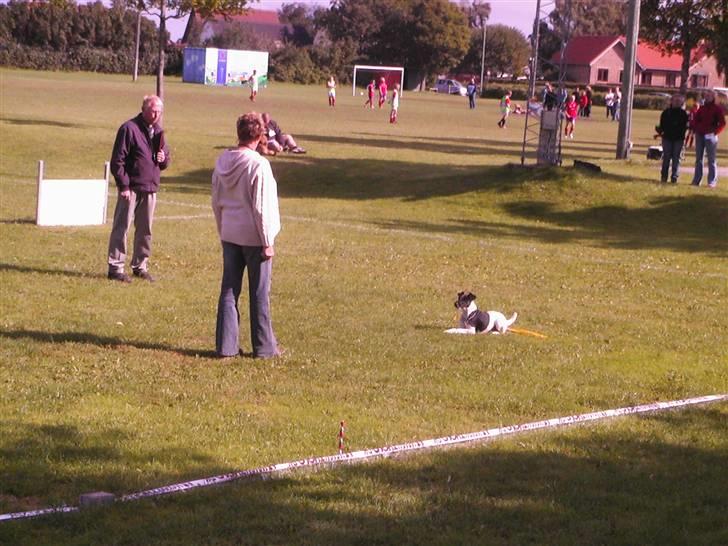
x,y
245,203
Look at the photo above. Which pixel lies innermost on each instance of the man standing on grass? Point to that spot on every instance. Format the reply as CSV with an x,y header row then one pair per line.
x,y
709,121
672,127
139,155
471,90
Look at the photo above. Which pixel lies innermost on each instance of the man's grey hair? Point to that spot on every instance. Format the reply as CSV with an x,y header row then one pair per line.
x,y
150,99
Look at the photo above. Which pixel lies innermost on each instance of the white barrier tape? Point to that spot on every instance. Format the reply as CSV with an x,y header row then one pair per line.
x,y
391,450
423,444
36,513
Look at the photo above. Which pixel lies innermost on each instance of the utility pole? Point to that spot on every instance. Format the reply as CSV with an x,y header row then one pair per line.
x,y
534,53
630,61
136,48
482,57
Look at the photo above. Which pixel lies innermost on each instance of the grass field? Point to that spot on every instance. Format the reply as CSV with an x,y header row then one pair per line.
x,y
110,387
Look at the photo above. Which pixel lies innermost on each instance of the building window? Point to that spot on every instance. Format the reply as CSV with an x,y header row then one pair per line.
x,y
671,80
602,75
646,78
621,72
698,80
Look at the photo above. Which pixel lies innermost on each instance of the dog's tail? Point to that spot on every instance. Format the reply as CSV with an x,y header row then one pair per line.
x,y
513,318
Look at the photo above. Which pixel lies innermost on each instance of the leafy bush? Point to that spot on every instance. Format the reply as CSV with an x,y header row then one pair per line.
x,y
294,64
496,91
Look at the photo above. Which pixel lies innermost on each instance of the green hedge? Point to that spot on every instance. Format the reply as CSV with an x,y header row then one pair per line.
x,y
85,58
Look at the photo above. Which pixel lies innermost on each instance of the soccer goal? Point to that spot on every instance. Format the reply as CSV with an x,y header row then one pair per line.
x,y
364,73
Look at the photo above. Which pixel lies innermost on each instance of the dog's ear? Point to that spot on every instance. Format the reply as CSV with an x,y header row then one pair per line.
x,y
472,296
460,294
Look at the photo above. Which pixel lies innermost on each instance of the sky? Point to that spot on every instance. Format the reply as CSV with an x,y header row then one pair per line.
x,y
514,13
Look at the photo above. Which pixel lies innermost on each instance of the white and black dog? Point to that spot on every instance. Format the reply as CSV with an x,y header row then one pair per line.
x,y
474,321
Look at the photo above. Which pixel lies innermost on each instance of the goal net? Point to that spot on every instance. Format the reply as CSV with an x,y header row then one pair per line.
x,y
363,74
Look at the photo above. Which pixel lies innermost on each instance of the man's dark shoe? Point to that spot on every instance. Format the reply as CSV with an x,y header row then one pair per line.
x,y
119,276
142,274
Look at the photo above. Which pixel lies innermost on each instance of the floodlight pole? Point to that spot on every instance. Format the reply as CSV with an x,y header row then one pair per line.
x,y
630,62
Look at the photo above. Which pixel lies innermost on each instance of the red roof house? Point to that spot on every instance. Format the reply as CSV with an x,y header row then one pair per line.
x,y
600,60
265,24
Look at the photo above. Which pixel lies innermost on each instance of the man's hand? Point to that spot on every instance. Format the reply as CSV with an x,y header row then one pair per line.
x,y
125,194
267,252
160,156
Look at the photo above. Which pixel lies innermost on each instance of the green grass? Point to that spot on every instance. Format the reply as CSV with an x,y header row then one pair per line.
x,y
111,387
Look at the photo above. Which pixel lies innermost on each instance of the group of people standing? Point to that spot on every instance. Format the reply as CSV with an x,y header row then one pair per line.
x,y
704,123
613,101
380,88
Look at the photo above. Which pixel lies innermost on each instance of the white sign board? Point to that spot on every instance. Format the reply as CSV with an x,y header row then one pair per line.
x,y
71,202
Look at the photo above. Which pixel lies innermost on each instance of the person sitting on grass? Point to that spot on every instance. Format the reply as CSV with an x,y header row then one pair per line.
x,y
278,141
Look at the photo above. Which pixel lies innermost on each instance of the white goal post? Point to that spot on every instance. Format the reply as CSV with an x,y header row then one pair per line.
x,y
377,72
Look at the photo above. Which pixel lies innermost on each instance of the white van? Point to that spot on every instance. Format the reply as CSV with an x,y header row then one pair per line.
x,y
450,87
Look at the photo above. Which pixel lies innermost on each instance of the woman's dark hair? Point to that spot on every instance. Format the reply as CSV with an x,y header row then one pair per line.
x,y
250,126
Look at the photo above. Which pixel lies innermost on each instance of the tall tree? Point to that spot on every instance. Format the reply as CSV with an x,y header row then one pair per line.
x,y
477,13
435,37
508,50
301,20
588,18
718,42
175,9
679,26
426,36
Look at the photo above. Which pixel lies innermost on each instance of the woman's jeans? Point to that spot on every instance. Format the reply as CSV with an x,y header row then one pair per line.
x,y
227,336
706,145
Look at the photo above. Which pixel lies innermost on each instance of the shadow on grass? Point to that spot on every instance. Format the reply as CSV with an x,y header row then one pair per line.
x,y
101,341
43,122
361,180
690,224
37,459
18,221
308,176
63,272
696,223
650,485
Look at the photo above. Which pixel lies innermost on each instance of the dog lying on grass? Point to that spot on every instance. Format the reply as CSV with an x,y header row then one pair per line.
x,y
474,321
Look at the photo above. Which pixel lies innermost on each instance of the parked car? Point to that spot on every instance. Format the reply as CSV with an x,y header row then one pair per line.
x,y
450,87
